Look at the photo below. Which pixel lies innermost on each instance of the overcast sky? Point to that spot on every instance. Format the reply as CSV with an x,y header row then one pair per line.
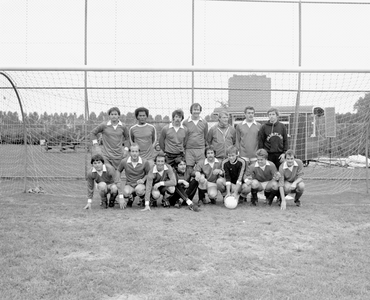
x,y
158,33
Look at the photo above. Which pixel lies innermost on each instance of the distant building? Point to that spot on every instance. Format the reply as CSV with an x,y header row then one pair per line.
x,y
251,90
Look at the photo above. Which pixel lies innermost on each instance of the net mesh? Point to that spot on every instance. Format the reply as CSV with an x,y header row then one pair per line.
x,y
329,133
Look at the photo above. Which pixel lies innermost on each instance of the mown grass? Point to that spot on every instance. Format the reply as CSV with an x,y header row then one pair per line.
x,y
52,249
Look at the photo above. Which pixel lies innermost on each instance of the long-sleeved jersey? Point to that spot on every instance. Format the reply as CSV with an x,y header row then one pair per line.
x,y
262,174
205,167
234,172
154,176
247,139
291,174
273,137
109,175
221,139
172,141
197,133
134,172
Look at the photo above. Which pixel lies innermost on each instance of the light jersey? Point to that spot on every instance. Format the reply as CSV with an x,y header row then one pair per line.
x,y
145,136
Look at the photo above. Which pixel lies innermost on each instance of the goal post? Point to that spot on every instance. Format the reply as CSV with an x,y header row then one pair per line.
x,y
62,105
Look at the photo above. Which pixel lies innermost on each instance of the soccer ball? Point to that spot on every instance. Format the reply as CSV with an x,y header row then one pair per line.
x,y
231,202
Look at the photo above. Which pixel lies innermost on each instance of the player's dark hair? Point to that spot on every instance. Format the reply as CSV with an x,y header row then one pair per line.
x,y
97,157
140,109
160,154
114,109
209,148
178,112
195,105
179,160
249,108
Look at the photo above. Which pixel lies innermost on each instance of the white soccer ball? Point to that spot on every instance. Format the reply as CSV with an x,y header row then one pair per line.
x,y
231,202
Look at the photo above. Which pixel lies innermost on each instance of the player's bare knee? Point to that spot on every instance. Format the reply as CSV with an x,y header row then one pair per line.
x,y
113,189
255,184
156,194
300,187
102,186
126,191
171,189
140,190
212,193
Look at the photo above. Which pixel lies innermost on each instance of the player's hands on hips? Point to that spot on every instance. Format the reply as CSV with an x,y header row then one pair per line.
x,y
147,207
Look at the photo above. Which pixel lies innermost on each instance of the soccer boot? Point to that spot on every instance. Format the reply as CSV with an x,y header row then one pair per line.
x,y
166,203
130,201
178,204
152,202
104,203
112,200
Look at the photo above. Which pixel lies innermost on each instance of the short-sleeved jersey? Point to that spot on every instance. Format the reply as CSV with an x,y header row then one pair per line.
x,y
134,172
145,136
292,173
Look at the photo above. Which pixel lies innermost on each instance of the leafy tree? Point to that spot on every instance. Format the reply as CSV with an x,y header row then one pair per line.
x,y
362,107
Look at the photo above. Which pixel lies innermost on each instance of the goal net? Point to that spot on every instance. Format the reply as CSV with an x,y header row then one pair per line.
x,y
46,116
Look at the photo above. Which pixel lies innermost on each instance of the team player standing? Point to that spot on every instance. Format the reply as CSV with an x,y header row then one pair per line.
x,y
247,159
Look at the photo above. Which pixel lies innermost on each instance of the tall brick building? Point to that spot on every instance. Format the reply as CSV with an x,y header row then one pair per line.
x,y
254,90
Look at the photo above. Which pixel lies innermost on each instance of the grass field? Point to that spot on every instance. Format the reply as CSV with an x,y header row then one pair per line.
x,y
53,249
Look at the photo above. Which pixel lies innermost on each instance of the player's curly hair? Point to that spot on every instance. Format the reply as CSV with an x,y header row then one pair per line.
x,y
144,109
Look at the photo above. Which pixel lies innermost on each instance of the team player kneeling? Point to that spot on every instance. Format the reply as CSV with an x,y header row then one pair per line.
x,y
173,187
